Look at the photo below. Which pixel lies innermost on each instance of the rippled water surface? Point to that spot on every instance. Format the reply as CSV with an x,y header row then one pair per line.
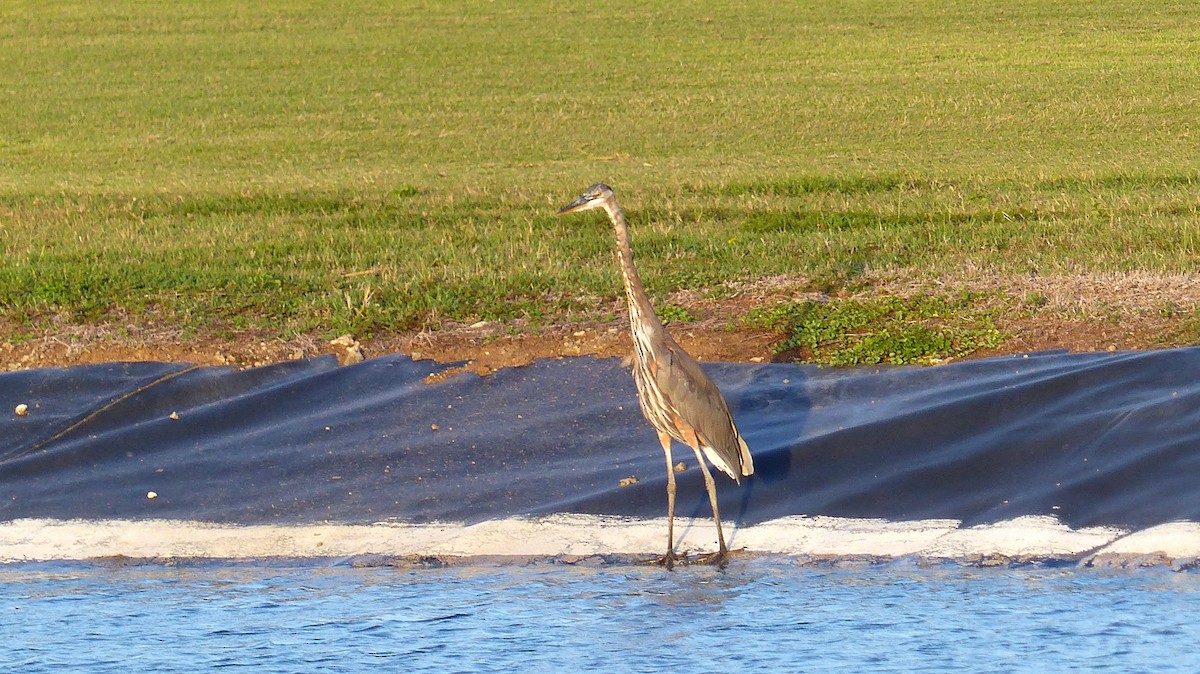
x,y
757,615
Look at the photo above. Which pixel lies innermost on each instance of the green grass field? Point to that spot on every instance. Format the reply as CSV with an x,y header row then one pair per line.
x,y
380,167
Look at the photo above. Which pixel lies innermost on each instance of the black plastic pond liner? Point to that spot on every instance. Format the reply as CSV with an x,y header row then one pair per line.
x,y
1092,439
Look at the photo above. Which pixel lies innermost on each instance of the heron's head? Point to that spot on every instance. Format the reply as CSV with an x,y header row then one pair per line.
x,y
594,197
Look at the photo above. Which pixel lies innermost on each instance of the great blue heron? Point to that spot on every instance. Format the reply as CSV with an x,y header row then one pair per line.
x,y
677,397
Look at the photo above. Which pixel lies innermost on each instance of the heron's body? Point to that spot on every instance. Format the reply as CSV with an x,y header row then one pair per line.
x,y
675,394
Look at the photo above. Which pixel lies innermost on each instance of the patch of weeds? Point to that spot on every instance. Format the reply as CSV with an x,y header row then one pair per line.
x,y
1111,313
1167,309
671,313
720,292
845,275
1187,328
19,337
1035,299
892,330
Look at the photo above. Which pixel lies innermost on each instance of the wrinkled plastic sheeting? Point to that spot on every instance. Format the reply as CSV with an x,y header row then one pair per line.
x,y
1092,439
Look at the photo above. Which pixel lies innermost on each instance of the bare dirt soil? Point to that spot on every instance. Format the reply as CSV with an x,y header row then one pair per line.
x,y
1076,313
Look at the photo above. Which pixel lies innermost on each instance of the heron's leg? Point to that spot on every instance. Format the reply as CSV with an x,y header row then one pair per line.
x,y
712,499
669,559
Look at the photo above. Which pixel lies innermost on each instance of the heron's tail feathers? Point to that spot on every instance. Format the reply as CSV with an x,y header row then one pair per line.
x,y
723,460
747,461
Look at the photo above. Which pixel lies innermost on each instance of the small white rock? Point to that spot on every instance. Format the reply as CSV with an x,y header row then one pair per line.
x,y
151,494
22,410
174,416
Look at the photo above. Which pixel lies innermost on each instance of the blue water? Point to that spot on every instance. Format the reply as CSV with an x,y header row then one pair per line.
x,y
758,615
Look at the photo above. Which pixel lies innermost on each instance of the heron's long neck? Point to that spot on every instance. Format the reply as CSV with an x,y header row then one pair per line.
x,y
641,313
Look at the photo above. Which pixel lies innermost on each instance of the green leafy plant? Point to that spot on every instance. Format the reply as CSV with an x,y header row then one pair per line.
x,y
892,330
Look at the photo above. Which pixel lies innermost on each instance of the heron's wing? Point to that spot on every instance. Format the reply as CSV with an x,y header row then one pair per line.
x,y
699,403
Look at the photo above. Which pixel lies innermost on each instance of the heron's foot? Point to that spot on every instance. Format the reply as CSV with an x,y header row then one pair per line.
x,y
668,560
719,559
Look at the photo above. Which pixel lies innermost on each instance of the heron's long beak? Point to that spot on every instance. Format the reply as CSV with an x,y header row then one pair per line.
x,y
574,205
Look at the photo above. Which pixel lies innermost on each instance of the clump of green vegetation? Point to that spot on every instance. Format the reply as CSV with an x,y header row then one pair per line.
x,y
1186,328
672,313
892,330
1035,299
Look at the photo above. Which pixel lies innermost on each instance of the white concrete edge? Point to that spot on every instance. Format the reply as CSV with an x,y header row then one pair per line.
x,y
1029,538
